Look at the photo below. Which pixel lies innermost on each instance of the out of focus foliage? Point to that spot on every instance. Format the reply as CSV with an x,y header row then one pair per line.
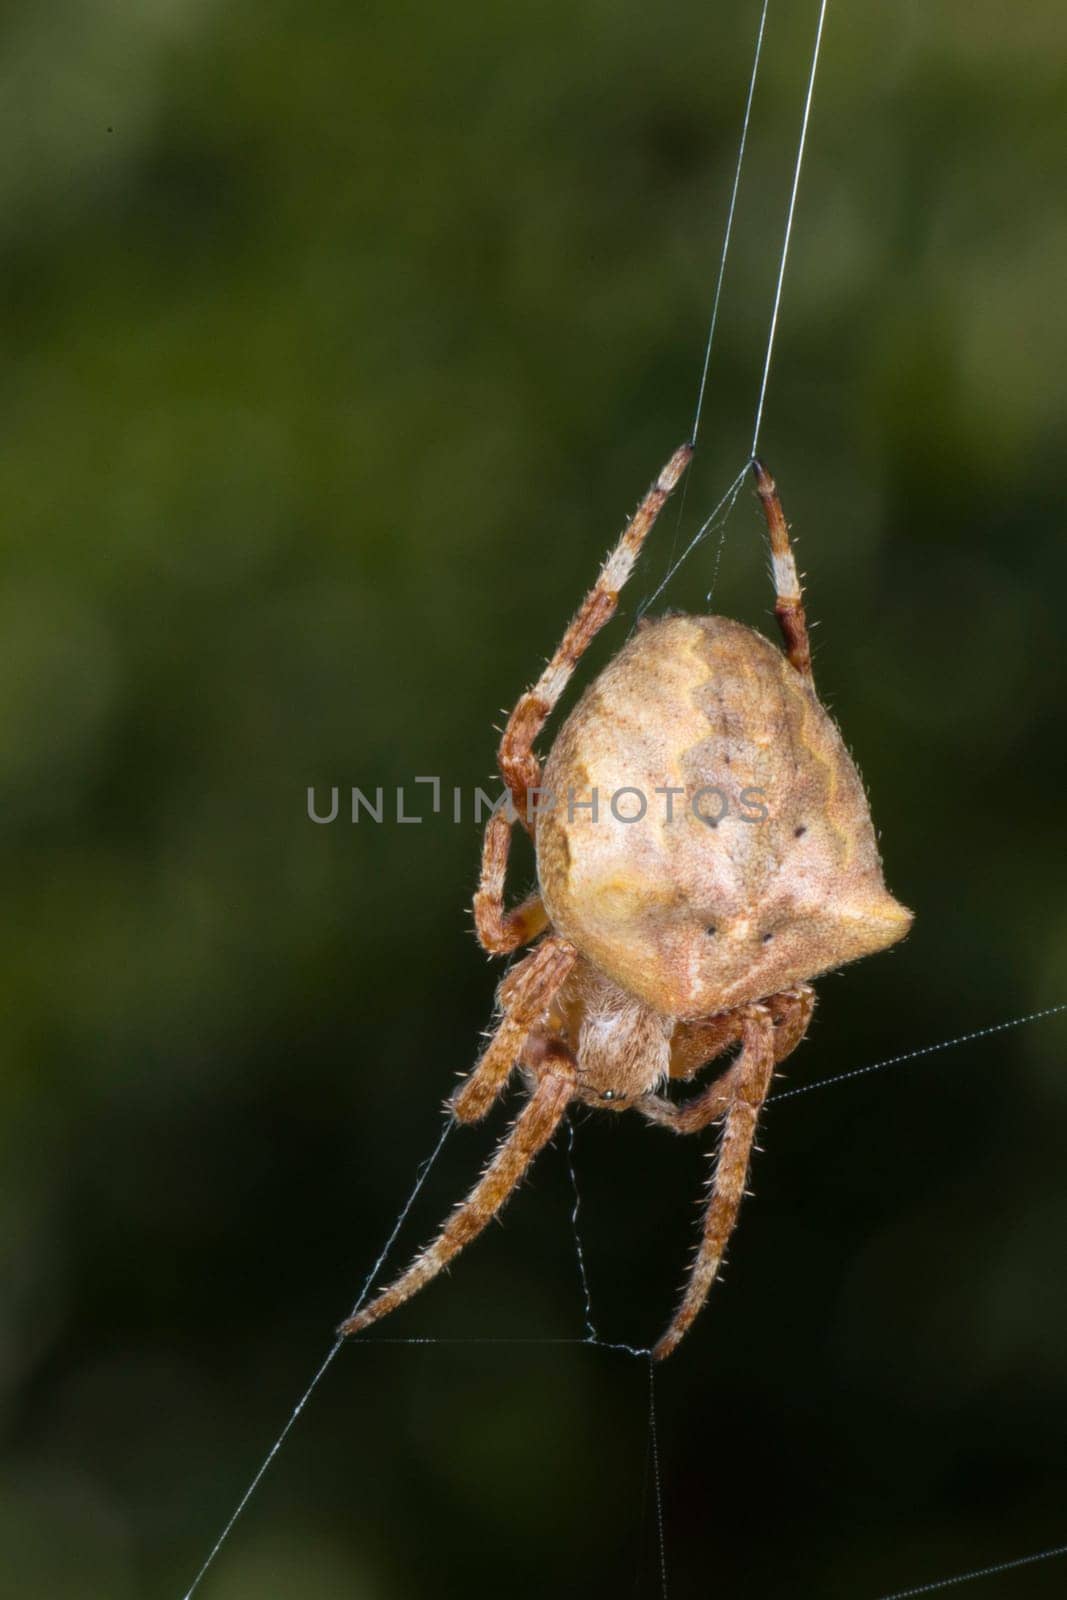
x,y
338,341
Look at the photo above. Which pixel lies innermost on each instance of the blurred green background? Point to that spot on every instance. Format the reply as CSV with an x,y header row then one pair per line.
x,y
338,343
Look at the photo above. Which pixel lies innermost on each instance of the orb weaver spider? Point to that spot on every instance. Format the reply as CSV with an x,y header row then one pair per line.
x,y
665,939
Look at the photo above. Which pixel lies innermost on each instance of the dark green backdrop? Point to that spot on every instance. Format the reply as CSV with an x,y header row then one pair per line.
x,y
338,343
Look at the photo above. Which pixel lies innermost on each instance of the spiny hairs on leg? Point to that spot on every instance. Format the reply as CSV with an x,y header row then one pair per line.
x,y
789,604
749,1081
529,990
691,1115
531,1131
518,765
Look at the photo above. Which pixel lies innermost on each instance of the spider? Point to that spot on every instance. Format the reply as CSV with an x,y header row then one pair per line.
x,y
664,935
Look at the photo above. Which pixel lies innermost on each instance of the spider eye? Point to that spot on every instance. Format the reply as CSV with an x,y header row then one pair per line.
x,y
610,1094
767,937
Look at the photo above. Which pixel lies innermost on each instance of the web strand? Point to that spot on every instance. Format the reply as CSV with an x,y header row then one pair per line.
x,y
788,227
914,1055
653,1439
723,255
727,232
721,515
587,1304
297,1410
979,1572
729,499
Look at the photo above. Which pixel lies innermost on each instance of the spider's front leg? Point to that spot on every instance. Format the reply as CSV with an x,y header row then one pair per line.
x,y
531,1131
500,930
519,766
789,601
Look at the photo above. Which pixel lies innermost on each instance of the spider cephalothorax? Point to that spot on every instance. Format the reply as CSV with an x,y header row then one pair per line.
x,y
704,849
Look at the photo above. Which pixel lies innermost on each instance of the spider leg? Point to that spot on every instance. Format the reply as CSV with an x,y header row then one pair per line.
x,y
531,1131
696,1043
499,930
696,1113
789,605
748,1082
525,996
519,766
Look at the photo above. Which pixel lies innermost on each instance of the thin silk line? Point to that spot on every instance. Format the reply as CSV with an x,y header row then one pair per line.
x,y
587,1304
788,226
702,532
424,1173
735,490
639,1352
724,253
654,1442
261,1474
979,1572
923,1050
321,1373
729,222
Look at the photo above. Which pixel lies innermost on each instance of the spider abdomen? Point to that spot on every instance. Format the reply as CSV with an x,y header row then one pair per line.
x,y
705,838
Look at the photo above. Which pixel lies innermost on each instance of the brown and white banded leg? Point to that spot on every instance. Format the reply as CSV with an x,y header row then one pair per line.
x,y
519,766
748,1081
525,996
789,605
498,929
531,1131
501,930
